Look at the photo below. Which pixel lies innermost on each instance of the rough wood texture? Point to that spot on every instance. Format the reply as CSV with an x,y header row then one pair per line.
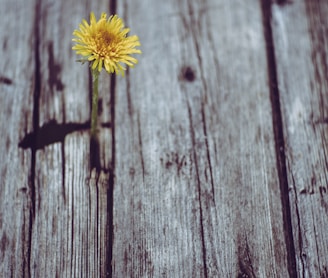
x,y
212,152
196,187
70,200
16,98
54,218
301,44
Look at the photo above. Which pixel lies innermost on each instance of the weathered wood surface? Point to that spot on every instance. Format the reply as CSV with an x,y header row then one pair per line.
x,y
77,216
301,47
212,160
196,187
54,219
16,98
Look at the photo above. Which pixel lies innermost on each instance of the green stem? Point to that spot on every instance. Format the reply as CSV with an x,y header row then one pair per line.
x,y
94,109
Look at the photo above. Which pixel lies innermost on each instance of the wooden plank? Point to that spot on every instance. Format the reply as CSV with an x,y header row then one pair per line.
x,y
16,97
196,187
301,47
70,235
155,233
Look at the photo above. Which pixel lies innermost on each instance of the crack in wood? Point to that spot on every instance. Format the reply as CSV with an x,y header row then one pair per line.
x,y
140,148
72,234
63,156
128,93
278,135
300,240
190,76
111,181
192,133
110,228
208,154
35,119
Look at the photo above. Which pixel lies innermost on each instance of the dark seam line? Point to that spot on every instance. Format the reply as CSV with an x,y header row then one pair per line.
x,y
94,163
90,91
36,104
96,256
198,188
111,181
112,6
23,252
63,170
110,190
128,93
140,148
278,136
35,115
63,153
208,154
94,156
72,229
127,72
89,226
89,213
300,240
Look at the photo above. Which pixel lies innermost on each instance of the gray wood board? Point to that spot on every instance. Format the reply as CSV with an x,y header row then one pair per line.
x,y
300,33
196,187
54,218
16,97
71,223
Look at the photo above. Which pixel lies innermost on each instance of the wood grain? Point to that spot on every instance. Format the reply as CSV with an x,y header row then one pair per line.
x,y
196,187
16,98
212,152
70,234
301,36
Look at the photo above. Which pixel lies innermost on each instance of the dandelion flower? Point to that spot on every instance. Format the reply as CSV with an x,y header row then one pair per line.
x,y
104,43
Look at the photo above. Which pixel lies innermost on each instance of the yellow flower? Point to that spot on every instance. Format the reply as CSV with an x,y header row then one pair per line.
x,y
105,43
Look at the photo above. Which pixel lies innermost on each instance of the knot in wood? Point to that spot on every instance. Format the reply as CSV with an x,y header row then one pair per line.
x,y
187,74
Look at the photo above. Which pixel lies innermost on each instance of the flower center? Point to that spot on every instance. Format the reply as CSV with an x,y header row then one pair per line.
x,y
104,43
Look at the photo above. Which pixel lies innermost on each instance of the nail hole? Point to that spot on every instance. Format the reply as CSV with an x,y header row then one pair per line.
x,y
188,74
5,80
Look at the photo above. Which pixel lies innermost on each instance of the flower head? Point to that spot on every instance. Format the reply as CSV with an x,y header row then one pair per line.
x,y
105,43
